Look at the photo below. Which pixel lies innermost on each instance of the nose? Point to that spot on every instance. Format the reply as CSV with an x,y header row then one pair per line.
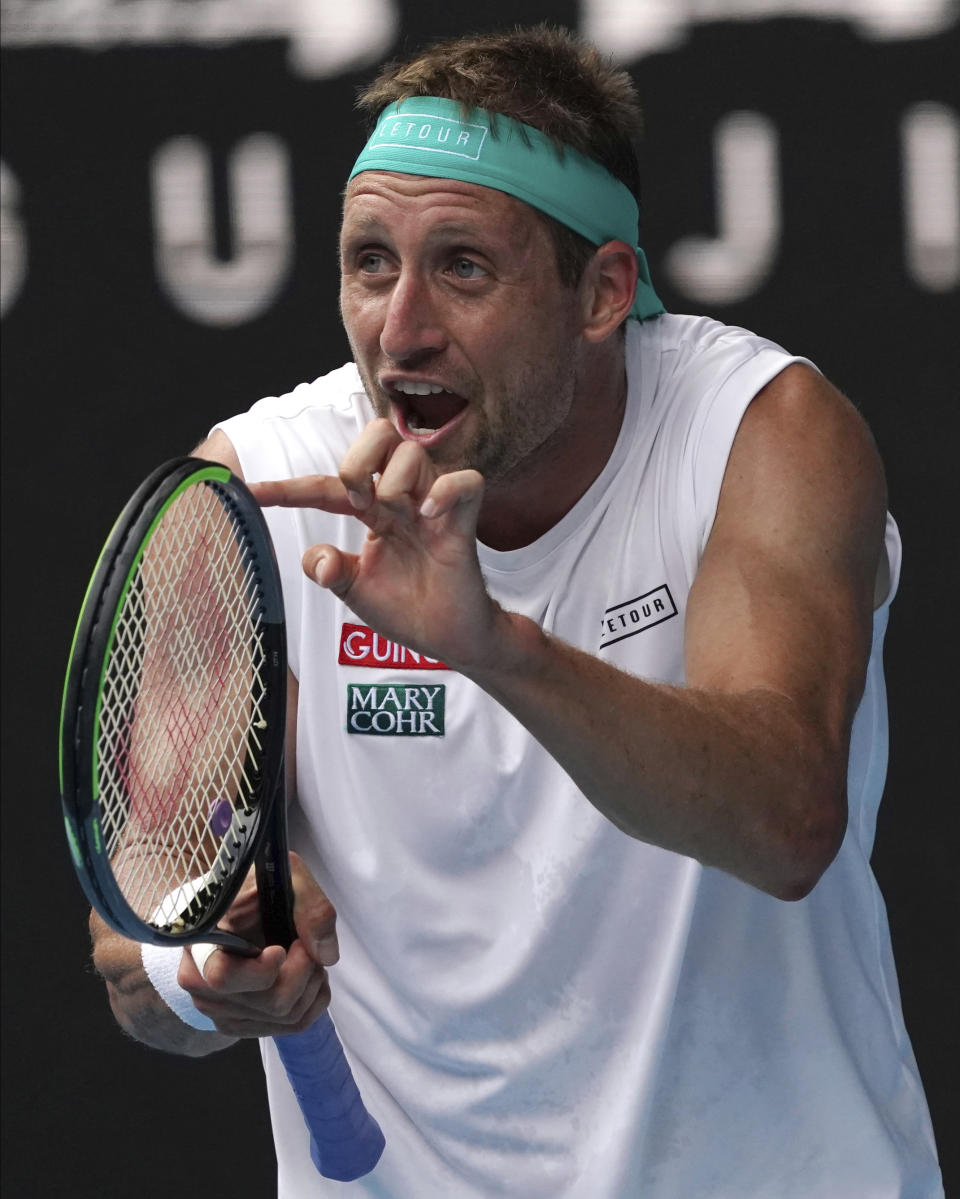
x,y
411,327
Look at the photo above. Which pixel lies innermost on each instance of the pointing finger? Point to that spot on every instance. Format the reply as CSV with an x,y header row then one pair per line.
x,y
325,492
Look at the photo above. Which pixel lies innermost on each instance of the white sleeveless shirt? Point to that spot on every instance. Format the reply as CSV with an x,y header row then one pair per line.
x,y
535,1004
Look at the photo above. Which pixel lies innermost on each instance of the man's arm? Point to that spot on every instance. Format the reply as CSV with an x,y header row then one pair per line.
x,y
275,993
745,767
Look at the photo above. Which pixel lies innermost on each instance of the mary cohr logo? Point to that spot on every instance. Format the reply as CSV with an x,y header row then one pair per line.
x,y
396,709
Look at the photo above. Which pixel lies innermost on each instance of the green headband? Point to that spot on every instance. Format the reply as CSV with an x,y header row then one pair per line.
x,y
431,137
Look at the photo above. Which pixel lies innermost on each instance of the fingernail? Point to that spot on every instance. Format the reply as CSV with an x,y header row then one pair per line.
x,y
318,567
328,951
429,507
357,499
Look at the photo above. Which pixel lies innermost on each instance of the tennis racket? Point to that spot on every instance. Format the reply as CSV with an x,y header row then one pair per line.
x,y
172,753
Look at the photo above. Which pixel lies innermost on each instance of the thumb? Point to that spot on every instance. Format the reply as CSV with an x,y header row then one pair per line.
x,y
330,568
314,916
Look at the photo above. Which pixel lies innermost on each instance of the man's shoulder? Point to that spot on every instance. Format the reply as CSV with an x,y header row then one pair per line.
x,y
305,430
685,341
338,391
691,366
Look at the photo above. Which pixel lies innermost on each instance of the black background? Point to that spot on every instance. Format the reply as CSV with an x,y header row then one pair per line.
x,y
103,378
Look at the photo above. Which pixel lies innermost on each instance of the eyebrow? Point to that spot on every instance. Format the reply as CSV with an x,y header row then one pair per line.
x,y
452,234
373,226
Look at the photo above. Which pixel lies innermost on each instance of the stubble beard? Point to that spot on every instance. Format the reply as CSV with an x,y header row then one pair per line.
x,y
523,425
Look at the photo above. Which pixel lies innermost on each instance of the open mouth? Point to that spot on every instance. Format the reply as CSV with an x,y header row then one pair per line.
x,y
424,408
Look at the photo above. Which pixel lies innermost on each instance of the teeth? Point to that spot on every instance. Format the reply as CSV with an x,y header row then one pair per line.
x,y
411,388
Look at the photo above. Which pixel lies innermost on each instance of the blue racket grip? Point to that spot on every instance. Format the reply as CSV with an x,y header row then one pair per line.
x,y
345,1140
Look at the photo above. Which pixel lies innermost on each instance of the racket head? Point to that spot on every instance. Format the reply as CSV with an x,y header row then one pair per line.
x,y
173,712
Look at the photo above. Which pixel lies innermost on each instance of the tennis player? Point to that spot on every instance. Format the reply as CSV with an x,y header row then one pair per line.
x,y
586,604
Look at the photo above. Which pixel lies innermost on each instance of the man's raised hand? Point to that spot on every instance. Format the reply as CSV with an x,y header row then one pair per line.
x,y
417,579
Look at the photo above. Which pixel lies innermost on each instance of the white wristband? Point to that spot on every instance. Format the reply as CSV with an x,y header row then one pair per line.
x,y
161,962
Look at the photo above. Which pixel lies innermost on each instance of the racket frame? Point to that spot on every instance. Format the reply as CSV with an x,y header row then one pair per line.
x,y
80,713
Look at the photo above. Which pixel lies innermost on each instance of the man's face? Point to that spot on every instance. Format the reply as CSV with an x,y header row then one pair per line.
x,y
462,333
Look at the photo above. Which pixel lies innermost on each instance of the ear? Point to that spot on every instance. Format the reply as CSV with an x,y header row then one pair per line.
x,y
607,288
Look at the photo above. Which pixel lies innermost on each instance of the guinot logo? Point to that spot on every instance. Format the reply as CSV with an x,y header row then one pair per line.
x,y
361,646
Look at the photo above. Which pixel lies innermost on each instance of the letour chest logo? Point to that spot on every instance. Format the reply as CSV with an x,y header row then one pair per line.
x,y
635,615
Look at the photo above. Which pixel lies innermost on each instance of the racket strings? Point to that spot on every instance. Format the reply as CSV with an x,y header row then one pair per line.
x,y
182,707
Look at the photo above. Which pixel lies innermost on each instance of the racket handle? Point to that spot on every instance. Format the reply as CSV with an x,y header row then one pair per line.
x,y
345,1140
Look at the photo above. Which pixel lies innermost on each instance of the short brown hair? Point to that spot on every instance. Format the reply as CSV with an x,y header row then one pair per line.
x,y
543,76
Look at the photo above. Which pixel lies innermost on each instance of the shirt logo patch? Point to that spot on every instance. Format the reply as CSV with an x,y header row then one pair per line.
x,y
361,646
634,616
396,709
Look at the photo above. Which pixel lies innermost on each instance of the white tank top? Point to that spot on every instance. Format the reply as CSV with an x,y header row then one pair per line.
x,y
535,1004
